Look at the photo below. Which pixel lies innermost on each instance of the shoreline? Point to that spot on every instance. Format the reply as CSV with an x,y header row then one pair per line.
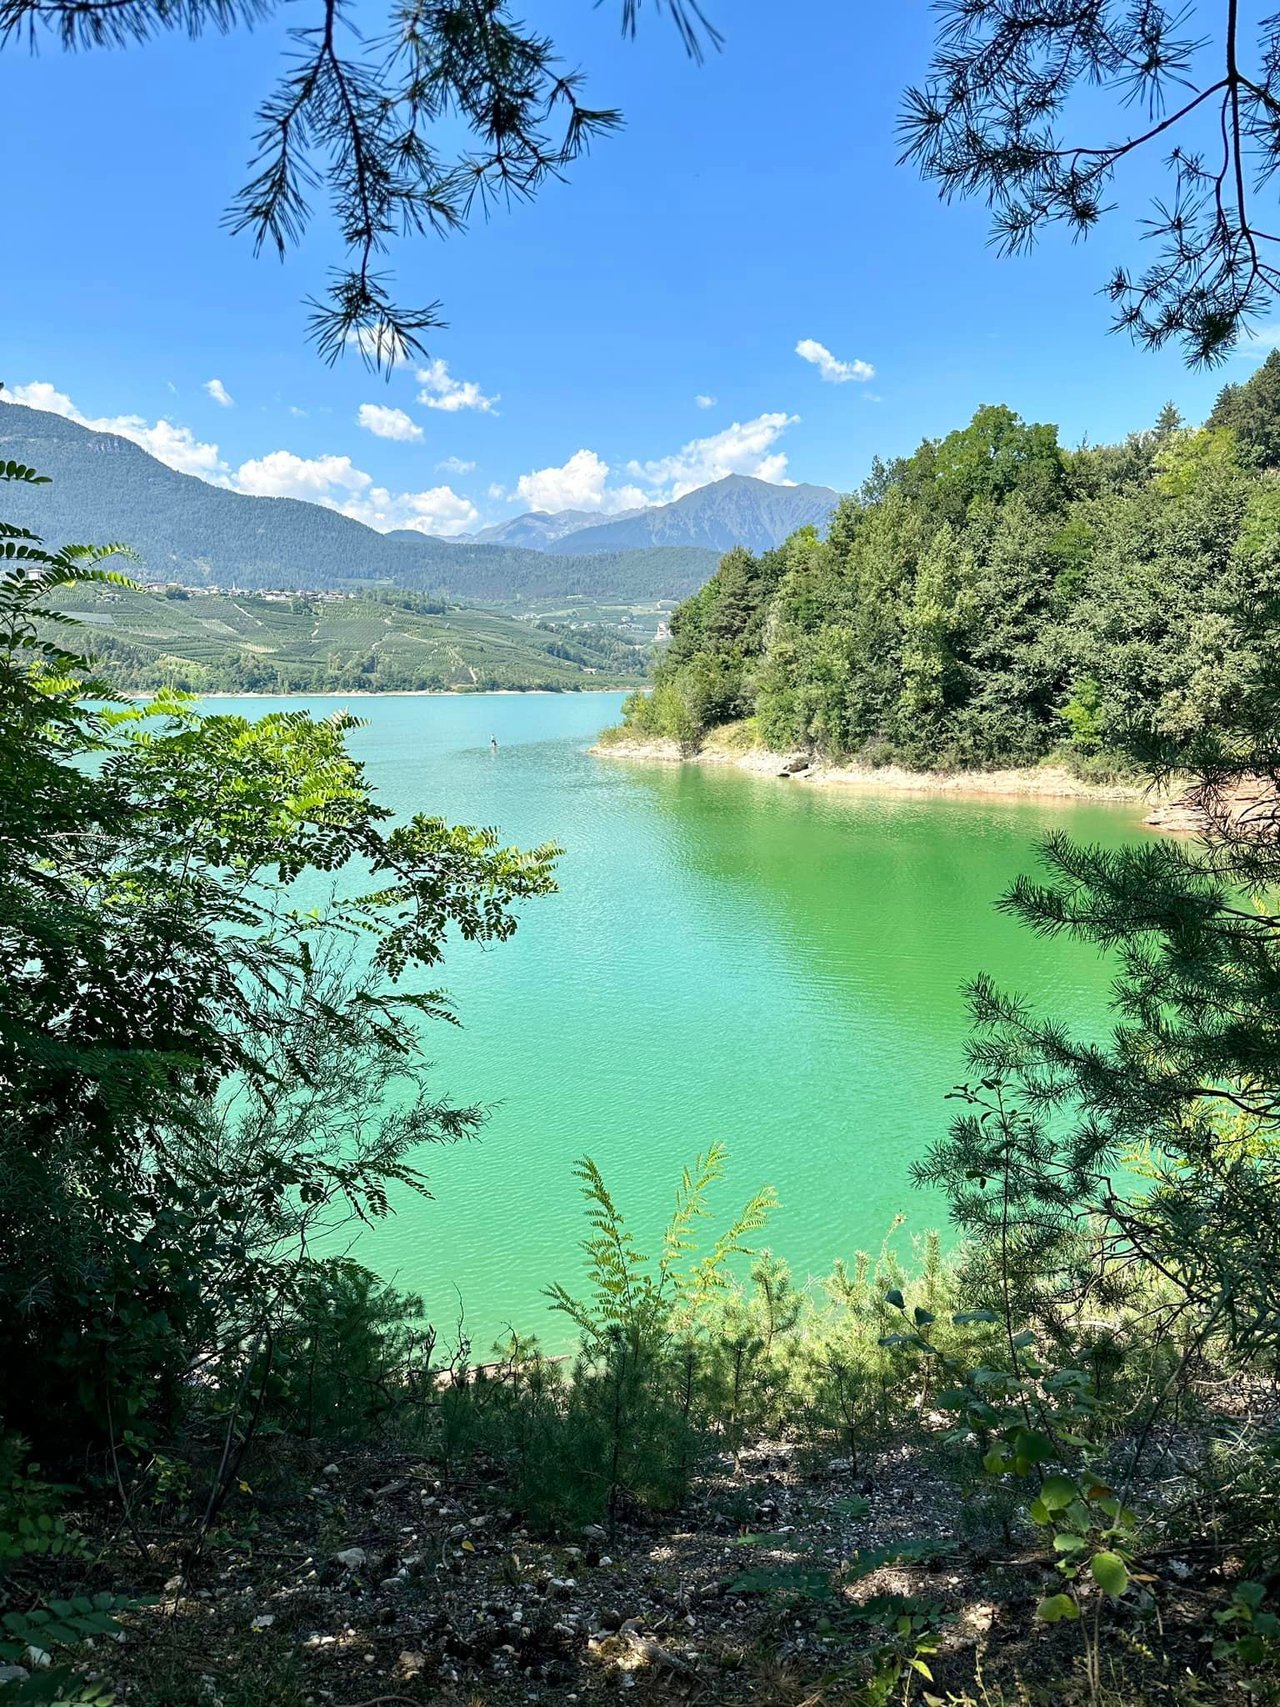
x,y
1035,782
384,693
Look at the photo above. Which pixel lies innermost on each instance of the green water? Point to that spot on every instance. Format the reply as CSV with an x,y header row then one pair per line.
x,y
728,958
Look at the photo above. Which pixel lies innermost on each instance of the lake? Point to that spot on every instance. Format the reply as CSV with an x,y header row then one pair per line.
x,y
775,966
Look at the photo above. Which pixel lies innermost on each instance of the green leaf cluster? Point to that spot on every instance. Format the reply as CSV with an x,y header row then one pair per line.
x,y
996,600
196,1066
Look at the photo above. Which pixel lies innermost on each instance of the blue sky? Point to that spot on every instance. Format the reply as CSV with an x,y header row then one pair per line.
x,y
631,334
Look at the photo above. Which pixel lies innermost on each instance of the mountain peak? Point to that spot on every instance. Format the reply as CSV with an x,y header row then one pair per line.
x,y
188,531
736,509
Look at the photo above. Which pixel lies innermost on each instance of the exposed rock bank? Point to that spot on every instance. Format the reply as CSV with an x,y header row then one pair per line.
x,y
1045,782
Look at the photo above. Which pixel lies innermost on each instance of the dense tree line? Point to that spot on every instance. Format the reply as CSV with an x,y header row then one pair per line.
x,y
995,598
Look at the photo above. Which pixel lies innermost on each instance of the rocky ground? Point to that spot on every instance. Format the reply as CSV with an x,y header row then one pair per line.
x,y
731,745
372,1581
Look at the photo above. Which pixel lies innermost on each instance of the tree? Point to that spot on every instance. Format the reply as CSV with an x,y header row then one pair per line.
x,y
192,1062
1085,1169
991,120
1252,411
373,120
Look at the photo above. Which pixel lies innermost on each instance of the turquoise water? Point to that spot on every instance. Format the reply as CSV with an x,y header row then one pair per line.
x,y
733,958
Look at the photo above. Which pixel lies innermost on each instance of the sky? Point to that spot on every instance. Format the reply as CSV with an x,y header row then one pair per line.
x,y
742,281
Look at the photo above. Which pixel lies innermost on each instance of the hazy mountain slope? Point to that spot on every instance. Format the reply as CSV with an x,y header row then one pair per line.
x,y
107,488
737,510
538,530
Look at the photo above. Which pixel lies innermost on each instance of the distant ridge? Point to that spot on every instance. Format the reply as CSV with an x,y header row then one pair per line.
x,y
737,510
106,488
540,530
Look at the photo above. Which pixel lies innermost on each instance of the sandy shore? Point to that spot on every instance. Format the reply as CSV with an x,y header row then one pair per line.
x,y
1042,782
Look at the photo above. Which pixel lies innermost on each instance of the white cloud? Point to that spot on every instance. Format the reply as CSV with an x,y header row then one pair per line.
x,y
440,390
829,368
281,474
585,481
333,480
705,402
455,465
218,391
176,446
744,448
386,423
337,483
41,395
440,511
578,484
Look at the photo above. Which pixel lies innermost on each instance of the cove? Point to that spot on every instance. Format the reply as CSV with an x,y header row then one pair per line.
x,y
728,958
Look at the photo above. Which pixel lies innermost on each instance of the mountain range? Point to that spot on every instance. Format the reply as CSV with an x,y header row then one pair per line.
x,y
737,510
183,529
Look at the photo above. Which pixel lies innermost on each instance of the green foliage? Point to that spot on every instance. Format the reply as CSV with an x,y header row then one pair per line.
x,y
196,1070
56,1684
993,600
631,1408
36,1625
60,1624
31,1522
1252,412
1250,1632
697,1350
1035,1422
347,1357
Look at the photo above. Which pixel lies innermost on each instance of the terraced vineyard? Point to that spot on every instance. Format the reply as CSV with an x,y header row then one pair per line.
x,y
208,642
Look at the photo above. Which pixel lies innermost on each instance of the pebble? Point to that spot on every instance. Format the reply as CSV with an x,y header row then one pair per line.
x,y
263,1621
351,1558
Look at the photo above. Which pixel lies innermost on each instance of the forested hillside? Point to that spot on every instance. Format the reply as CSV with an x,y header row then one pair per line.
x,y
996,598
